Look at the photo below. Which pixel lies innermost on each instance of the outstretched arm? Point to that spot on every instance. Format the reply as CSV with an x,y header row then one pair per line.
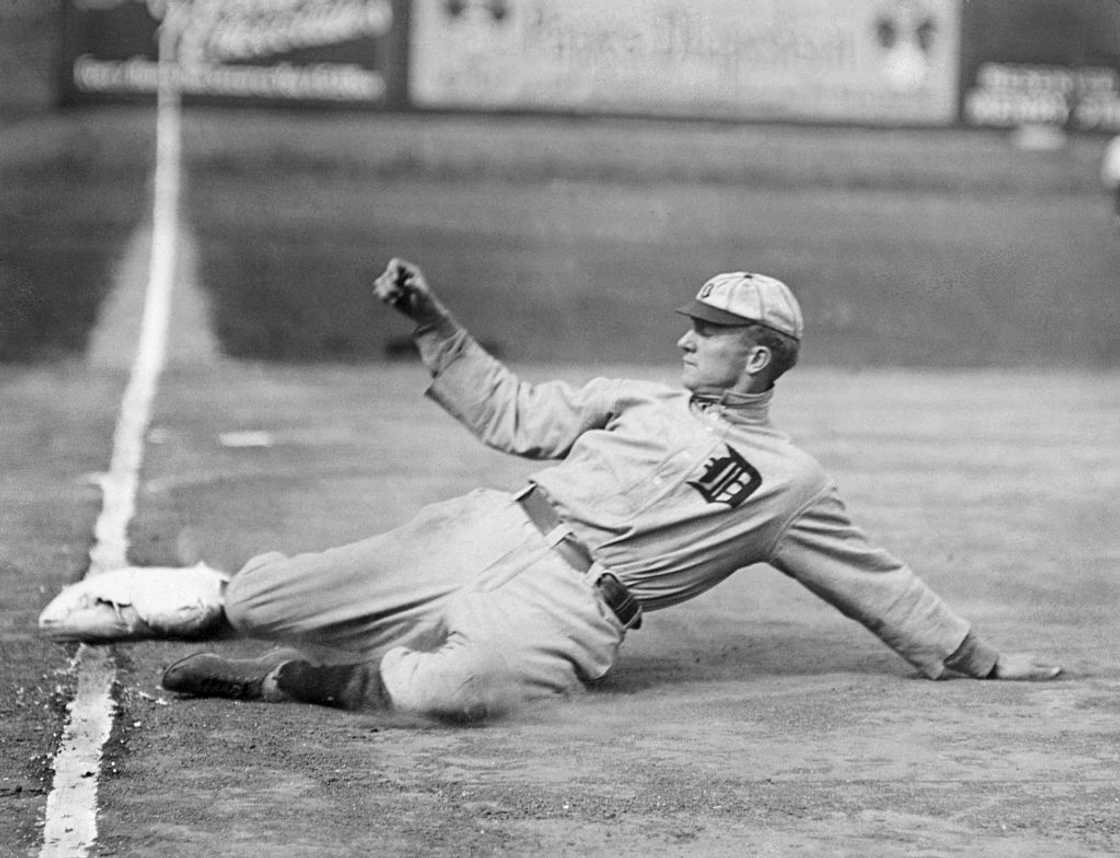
x,y
826,553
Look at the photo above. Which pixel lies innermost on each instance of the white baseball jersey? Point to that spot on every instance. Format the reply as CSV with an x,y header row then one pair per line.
x,y
674,491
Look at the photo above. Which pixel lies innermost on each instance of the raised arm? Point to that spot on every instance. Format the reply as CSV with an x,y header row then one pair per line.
x,y
540,421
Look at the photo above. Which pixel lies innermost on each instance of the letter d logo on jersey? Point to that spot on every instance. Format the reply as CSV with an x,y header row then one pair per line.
x,y
729,479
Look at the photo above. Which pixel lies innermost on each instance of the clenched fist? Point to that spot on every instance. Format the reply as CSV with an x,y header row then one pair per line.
x,y
402,286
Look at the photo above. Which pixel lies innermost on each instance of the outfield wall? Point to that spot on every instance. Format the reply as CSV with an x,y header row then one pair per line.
x,y
293,52
798,60
1042,61
996,63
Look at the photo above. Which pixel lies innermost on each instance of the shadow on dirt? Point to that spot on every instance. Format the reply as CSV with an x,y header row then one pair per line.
x,y
749,658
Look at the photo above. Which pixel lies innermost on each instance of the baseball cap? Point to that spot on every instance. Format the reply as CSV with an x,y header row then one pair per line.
x,y
740,297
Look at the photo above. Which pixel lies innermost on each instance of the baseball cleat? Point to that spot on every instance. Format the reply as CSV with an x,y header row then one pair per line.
x,y
207,674
138,603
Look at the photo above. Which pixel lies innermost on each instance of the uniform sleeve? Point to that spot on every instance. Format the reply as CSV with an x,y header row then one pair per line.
x,y
833,558
538,421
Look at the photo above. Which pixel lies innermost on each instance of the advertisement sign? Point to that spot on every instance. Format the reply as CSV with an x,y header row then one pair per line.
x,y
1042,62
870,61
319,51
1012,94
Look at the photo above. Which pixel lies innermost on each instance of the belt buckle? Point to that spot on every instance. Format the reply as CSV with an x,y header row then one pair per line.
x,y
620,600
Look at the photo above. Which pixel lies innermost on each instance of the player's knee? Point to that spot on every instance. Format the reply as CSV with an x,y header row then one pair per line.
x,y
452,683
260,561
246,601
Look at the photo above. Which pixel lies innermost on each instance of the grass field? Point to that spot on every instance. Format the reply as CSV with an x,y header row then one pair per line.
x,y
754,720
907,248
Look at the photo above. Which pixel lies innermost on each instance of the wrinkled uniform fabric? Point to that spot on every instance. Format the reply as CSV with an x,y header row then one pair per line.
x,y
671,491
466,605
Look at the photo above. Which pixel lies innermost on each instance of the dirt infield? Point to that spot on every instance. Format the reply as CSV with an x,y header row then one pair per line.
x,y
754,720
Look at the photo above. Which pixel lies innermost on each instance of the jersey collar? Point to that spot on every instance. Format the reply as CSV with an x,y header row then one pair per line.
x,y
736,407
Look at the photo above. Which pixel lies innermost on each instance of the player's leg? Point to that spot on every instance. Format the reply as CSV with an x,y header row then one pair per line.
x,y
455,678
542,631
541,634
355,597
526,627
280,675
378,592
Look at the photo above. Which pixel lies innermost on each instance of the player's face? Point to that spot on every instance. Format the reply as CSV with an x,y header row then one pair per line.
x,y
717,357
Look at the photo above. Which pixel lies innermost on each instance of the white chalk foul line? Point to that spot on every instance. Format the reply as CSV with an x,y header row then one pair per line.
x,y
70,826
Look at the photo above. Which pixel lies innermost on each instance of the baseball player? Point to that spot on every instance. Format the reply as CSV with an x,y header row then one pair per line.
x,y
654,495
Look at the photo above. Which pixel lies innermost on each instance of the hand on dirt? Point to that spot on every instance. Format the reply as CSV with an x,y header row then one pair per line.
x,y
1023,666
403,286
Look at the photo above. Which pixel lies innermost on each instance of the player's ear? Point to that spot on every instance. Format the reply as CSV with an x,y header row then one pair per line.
x,y
758,359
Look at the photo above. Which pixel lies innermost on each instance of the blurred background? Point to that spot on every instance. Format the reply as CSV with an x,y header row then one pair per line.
x,y
924,173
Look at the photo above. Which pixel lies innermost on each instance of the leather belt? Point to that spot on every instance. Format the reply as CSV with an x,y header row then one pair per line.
x,y
613,592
